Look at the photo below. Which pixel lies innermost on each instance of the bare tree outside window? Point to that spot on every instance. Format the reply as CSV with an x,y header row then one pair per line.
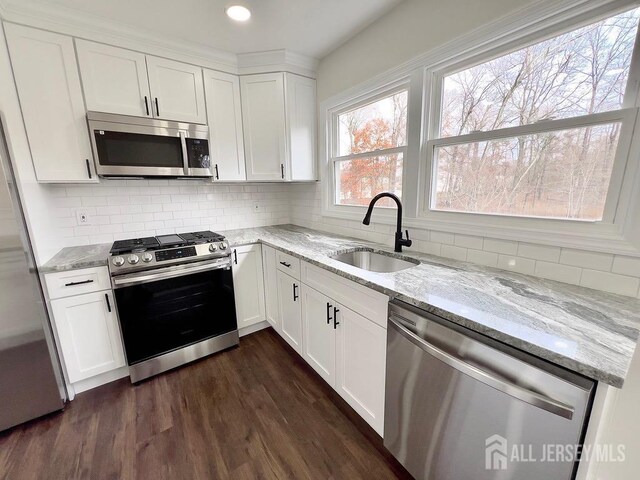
x,y
556,173
378,129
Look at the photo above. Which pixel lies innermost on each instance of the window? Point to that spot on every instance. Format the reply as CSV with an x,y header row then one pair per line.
x,y
369,148
534,132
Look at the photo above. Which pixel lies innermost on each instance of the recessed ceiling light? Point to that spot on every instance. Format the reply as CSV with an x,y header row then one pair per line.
x,y
238,13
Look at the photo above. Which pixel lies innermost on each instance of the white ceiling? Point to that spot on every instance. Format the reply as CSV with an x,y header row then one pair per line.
x,y
310,27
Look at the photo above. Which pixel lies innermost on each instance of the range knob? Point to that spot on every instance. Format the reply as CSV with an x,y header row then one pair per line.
x,y
212,247
147,257
133,259
223,246
118,261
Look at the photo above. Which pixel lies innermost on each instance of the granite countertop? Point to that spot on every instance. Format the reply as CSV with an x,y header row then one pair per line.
x,y
586,331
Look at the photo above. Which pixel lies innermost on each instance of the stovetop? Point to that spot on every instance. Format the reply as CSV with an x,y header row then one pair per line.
x,y
138,245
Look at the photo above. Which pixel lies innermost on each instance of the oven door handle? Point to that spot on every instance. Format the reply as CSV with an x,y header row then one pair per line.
x,y
130,280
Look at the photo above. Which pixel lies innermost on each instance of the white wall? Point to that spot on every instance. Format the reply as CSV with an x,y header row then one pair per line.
x,y
411,28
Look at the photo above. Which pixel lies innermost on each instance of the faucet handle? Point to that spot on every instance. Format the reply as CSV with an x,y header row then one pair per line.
x,y
407,242
407,233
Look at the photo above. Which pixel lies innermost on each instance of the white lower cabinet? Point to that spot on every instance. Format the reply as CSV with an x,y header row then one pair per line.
x,y
361,351
347,349
248,285
290,310
270,275
89,334
319,344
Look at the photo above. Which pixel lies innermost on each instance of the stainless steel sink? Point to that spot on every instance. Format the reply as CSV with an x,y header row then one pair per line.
x,y
373,261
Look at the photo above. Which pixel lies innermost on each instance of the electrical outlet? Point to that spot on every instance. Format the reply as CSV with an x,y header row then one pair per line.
x,y
257,207
83,217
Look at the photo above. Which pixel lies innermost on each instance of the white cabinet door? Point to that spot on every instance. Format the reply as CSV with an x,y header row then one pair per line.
x,y
301,123
176,90
89,334
48,83
263,118
114,79
248,285
319,343
271,286
224,111
290,310
361,362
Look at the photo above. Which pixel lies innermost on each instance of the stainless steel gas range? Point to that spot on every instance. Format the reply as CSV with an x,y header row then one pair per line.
x,y
175,300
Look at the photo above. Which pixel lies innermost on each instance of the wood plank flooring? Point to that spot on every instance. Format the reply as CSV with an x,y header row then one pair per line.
x,y
256,411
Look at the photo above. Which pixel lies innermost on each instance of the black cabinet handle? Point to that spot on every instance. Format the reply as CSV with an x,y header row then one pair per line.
x,y
88,167
217,176
157,107
282,170
72,284
106,297
335,317
288,265
146,105
235,256
328,313
295,295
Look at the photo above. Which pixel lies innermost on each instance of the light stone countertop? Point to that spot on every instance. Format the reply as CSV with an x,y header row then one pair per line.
x,y
586,331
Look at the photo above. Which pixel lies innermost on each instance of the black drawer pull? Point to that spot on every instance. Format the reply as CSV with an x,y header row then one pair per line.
x,y
288,265
235,256
295,295
328,313
217,174
335,317
157,107
146,105
106,297
73,284
88,168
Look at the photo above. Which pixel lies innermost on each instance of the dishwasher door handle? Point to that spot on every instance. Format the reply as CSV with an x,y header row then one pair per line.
x,y
516,391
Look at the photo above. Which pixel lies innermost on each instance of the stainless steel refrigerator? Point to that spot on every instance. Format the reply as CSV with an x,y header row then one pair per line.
x,y
30,377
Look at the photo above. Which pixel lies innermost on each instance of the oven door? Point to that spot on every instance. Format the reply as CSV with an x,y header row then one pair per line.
x,y
162,311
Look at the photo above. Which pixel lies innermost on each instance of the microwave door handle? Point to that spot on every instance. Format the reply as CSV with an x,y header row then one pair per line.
x,y
185,155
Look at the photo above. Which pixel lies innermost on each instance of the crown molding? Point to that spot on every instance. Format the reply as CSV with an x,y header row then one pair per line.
x,y
91,27
277,61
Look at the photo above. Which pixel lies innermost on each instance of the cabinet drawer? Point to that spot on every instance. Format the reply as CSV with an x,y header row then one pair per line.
x,y
362,300
76,282
288,264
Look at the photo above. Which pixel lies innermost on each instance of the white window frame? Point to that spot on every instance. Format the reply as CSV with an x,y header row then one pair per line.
x,y
333,144
618,232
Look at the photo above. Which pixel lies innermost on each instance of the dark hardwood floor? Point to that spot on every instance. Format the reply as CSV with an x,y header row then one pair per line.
x,y
256,411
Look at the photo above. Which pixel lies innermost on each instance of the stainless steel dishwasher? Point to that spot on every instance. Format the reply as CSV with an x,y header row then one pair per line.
x,y
460,406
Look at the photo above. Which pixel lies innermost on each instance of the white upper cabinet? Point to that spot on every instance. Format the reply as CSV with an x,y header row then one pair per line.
x,y
48,83
301,120
224,111
117,80
263,117
278,114
177,91
114,79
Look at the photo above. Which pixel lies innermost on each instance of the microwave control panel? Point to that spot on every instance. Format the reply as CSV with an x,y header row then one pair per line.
x,y
198,153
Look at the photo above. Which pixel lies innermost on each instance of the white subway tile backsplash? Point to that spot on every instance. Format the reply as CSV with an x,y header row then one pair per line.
x,y
506,247
556,271
610,282
443,237
539,252
451,251
489,259
517,264
468,241
581,258
626,265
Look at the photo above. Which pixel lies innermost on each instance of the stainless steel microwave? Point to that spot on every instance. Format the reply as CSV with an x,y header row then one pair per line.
x,y
126,146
